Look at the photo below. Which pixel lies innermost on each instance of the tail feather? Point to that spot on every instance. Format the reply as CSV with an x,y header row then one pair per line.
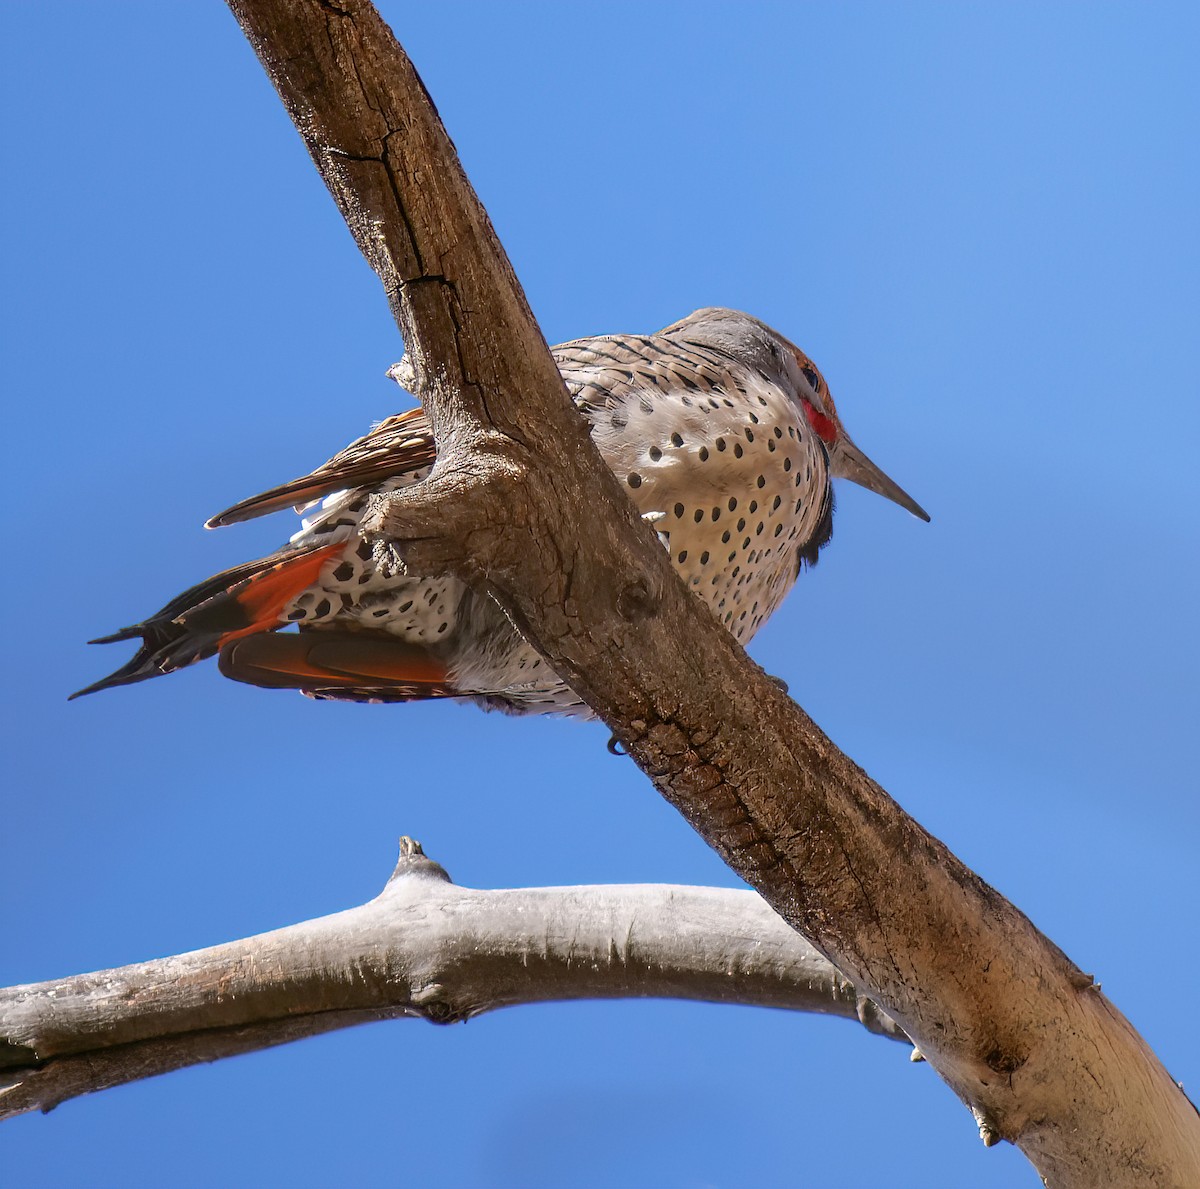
x,y
346,666
116,637
235,603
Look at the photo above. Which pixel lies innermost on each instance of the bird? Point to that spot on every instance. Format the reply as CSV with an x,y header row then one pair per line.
x,y
721,430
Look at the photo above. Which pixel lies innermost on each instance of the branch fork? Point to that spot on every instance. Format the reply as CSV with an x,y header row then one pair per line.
x,y
1003,1016
991,1003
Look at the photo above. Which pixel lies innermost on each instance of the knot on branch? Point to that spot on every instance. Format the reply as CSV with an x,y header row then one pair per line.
x,y
636,600
475,490
440,1012
416,528
1000,1061
430,1004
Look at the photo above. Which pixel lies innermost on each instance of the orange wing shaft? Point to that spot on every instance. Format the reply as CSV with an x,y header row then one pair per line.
x,y
264,596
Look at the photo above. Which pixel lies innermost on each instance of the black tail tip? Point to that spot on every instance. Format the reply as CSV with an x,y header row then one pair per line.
x,y
133,633
95,687
137,670
122,675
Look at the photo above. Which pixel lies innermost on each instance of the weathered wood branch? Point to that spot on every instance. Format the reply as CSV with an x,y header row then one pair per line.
x,y
521,506
423,948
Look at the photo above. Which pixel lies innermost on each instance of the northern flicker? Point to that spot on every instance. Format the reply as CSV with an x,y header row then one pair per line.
x,y
722,431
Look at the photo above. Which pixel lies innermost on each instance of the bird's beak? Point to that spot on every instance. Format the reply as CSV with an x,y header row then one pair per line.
x,y
847,461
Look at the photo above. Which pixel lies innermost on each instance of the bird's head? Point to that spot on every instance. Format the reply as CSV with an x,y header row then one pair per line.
x,y
755,345
846,460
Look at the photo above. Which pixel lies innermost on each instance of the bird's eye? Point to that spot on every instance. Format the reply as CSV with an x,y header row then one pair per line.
x,y
814,381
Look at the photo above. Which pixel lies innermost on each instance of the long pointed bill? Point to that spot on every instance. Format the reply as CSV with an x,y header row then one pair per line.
x,y
849,462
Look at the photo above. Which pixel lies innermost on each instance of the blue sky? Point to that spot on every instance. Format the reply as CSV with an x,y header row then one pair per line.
x,y
980,221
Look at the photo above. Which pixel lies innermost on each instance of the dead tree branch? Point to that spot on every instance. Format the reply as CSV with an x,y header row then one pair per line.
x,y
424,948
521,506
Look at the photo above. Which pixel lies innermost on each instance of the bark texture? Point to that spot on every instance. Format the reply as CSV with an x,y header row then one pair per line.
x,y
521,505
423,948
